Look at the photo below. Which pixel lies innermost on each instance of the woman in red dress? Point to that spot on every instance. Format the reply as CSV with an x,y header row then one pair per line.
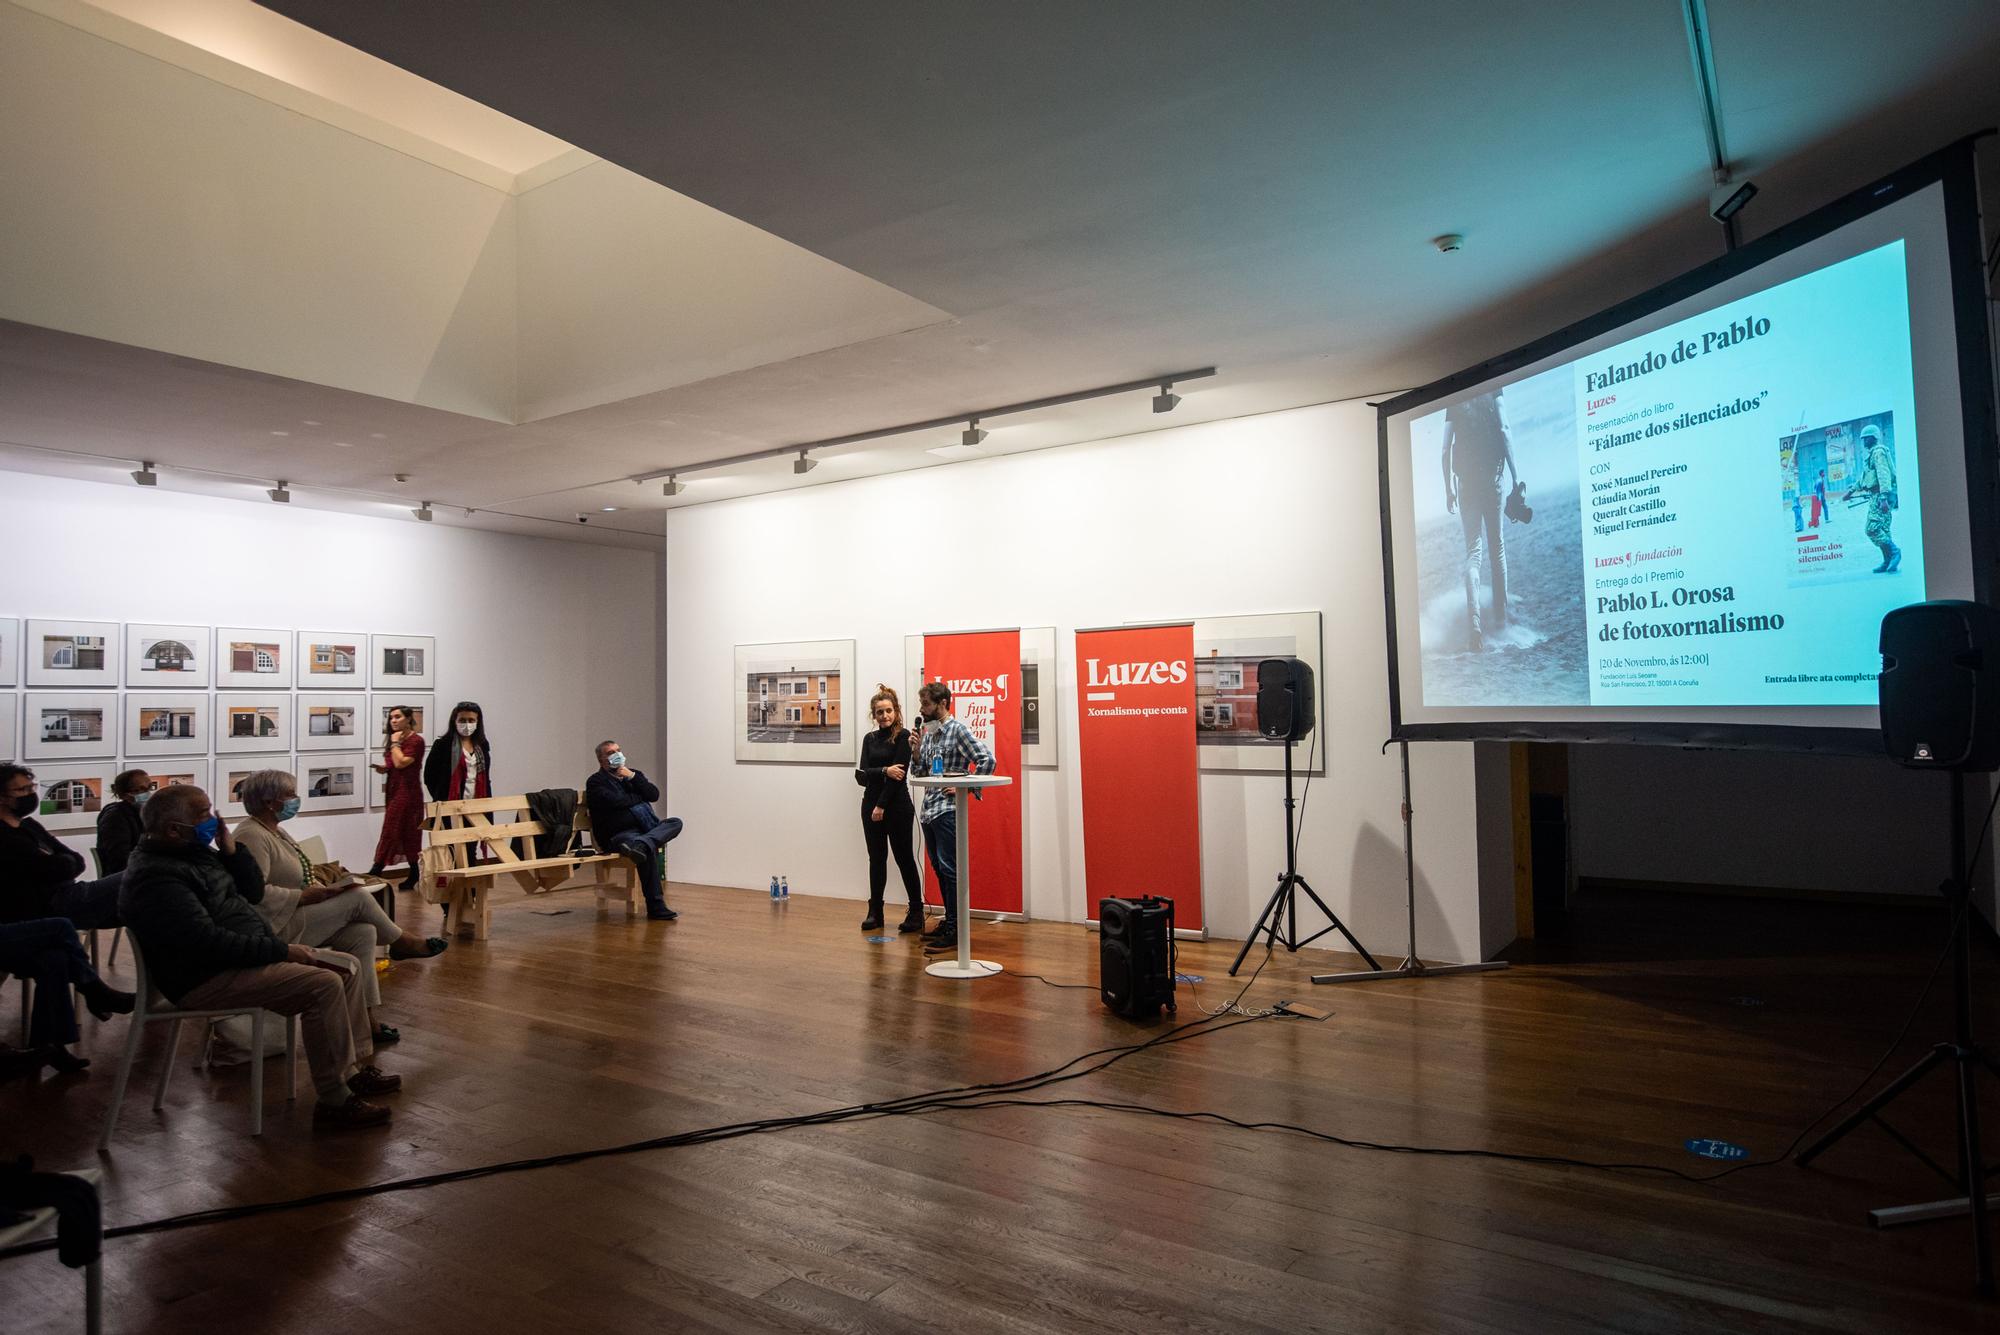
x,y
403,797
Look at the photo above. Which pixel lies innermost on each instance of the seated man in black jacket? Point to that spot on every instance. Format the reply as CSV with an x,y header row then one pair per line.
x,y
38,871
189,908
622,816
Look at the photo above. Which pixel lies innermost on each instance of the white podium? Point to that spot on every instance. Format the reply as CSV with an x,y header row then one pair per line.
x,y
964,966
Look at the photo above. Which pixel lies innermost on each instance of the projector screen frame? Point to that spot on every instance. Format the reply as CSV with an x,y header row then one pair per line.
x,y
1953,168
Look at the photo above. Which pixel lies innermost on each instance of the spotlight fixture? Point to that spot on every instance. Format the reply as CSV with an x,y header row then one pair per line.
x,y
1726,203
1449,242
145,476
1166,400
972,435
423,512
402,477
804,463
281,493
673,486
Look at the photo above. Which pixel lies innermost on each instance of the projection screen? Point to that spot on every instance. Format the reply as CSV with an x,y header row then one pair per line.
x,y
1682,520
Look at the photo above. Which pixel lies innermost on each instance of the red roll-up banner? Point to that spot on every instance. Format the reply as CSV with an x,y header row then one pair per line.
x,y
983,669
1141,776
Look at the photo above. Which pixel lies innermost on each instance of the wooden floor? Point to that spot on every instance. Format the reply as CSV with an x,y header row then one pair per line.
x,y
1663,1019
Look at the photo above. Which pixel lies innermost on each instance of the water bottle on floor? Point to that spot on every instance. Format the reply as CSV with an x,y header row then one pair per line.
x,y
784,887
774,889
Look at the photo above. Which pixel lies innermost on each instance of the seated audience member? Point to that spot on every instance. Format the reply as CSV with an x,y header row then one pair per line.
x,y
38,871
118,825
301,909
48,951
621,813
190,909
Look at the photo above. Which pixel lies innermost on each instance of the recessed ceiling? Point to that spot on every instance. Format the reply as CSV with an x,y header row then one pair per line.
x,y
1010,202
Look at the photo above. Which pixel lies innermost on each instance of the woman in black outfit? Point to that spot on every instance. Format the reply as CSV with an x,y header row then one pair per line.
x,y
118,823
887,813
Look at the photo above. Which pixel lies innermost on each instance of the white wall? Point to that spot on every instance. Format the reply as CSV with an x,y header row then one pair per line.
x,y
1267,514
557,641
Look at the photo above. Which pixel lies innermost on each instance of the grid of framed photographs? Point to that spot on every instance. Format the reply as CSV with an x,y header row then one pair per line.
x,y
201,702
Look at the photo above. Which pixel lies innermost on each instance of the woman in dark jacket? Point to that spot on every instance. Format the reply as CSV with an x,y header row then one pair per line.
x,y
887,813
460,763
118,824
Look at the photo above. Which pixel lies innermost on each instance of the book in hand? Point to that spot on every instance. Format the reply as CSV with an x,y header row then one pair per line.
x,y
334,960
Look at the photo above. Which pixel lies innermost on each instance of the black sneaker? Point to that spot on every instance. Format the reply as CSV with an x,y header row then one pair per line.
x,y
941,945
937,928
664,915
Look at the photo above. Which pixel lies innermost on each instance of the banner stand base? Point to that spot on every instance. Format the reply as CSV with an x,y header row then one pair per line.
x,y
970,969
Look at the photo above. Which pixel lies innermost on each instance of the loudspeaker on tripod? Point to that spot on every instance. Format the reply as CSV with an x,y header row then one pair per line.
x,y
1284,698
1135,955
1939,692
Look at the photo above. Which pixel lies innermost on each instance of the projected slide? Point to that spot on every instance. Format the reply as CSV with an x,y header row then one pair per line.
x,y
1716,512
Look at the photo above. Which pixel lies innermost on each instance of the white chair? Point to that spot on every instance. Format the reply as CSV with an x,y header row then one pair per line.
x,y
151,1008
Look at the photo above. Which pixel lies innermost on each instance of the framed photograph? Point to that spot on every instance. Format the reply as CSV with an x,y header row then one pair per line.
x,y
66,654
171,770
253,660
422,707
791,702
231,771
330,660
1038,691
72,795
157,657
10,726
408,661
10,651
1038,696
331,782
331,722
64,725
165,723
1226,653
253,721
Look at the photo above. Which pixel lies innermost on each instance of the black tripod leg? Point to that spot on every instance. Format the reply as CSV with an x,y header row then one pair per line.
x,y
1876,1104
1972,1169
1265,923
1338,925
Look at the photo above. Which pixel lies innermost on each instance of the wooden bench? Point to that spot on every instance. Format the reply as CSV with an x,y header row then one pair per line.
x,y
456,876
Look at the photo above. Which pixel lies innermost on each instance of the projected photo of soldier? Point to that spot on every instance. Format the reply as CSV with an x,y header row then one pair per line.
x,y
1826,471
1499,547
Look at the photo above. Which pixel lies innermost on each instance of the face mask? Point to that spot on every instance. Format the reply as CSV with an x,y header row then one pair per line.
x,y
139,799
204,833
467,729
289,810
616,760
26,804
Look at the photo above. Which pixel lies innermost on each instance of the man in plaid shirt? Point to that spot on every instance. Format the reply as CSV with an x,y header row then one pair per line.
x,y
944,736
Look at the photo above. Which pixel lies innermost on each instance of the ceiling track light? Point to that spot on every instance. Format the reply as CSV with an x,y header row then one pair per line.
x,y
1166,400
423,512
145,476
281,493
971,436
673,486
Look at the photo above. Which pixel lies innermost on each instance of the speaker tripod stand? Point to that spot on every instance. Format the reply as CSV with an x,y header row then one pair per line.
x,y
1283,906
1966,1059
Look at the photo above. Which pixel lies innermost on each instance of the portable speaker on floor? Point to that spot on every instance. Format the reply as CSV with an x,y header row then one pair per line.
x,y
1939,691
1135,945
